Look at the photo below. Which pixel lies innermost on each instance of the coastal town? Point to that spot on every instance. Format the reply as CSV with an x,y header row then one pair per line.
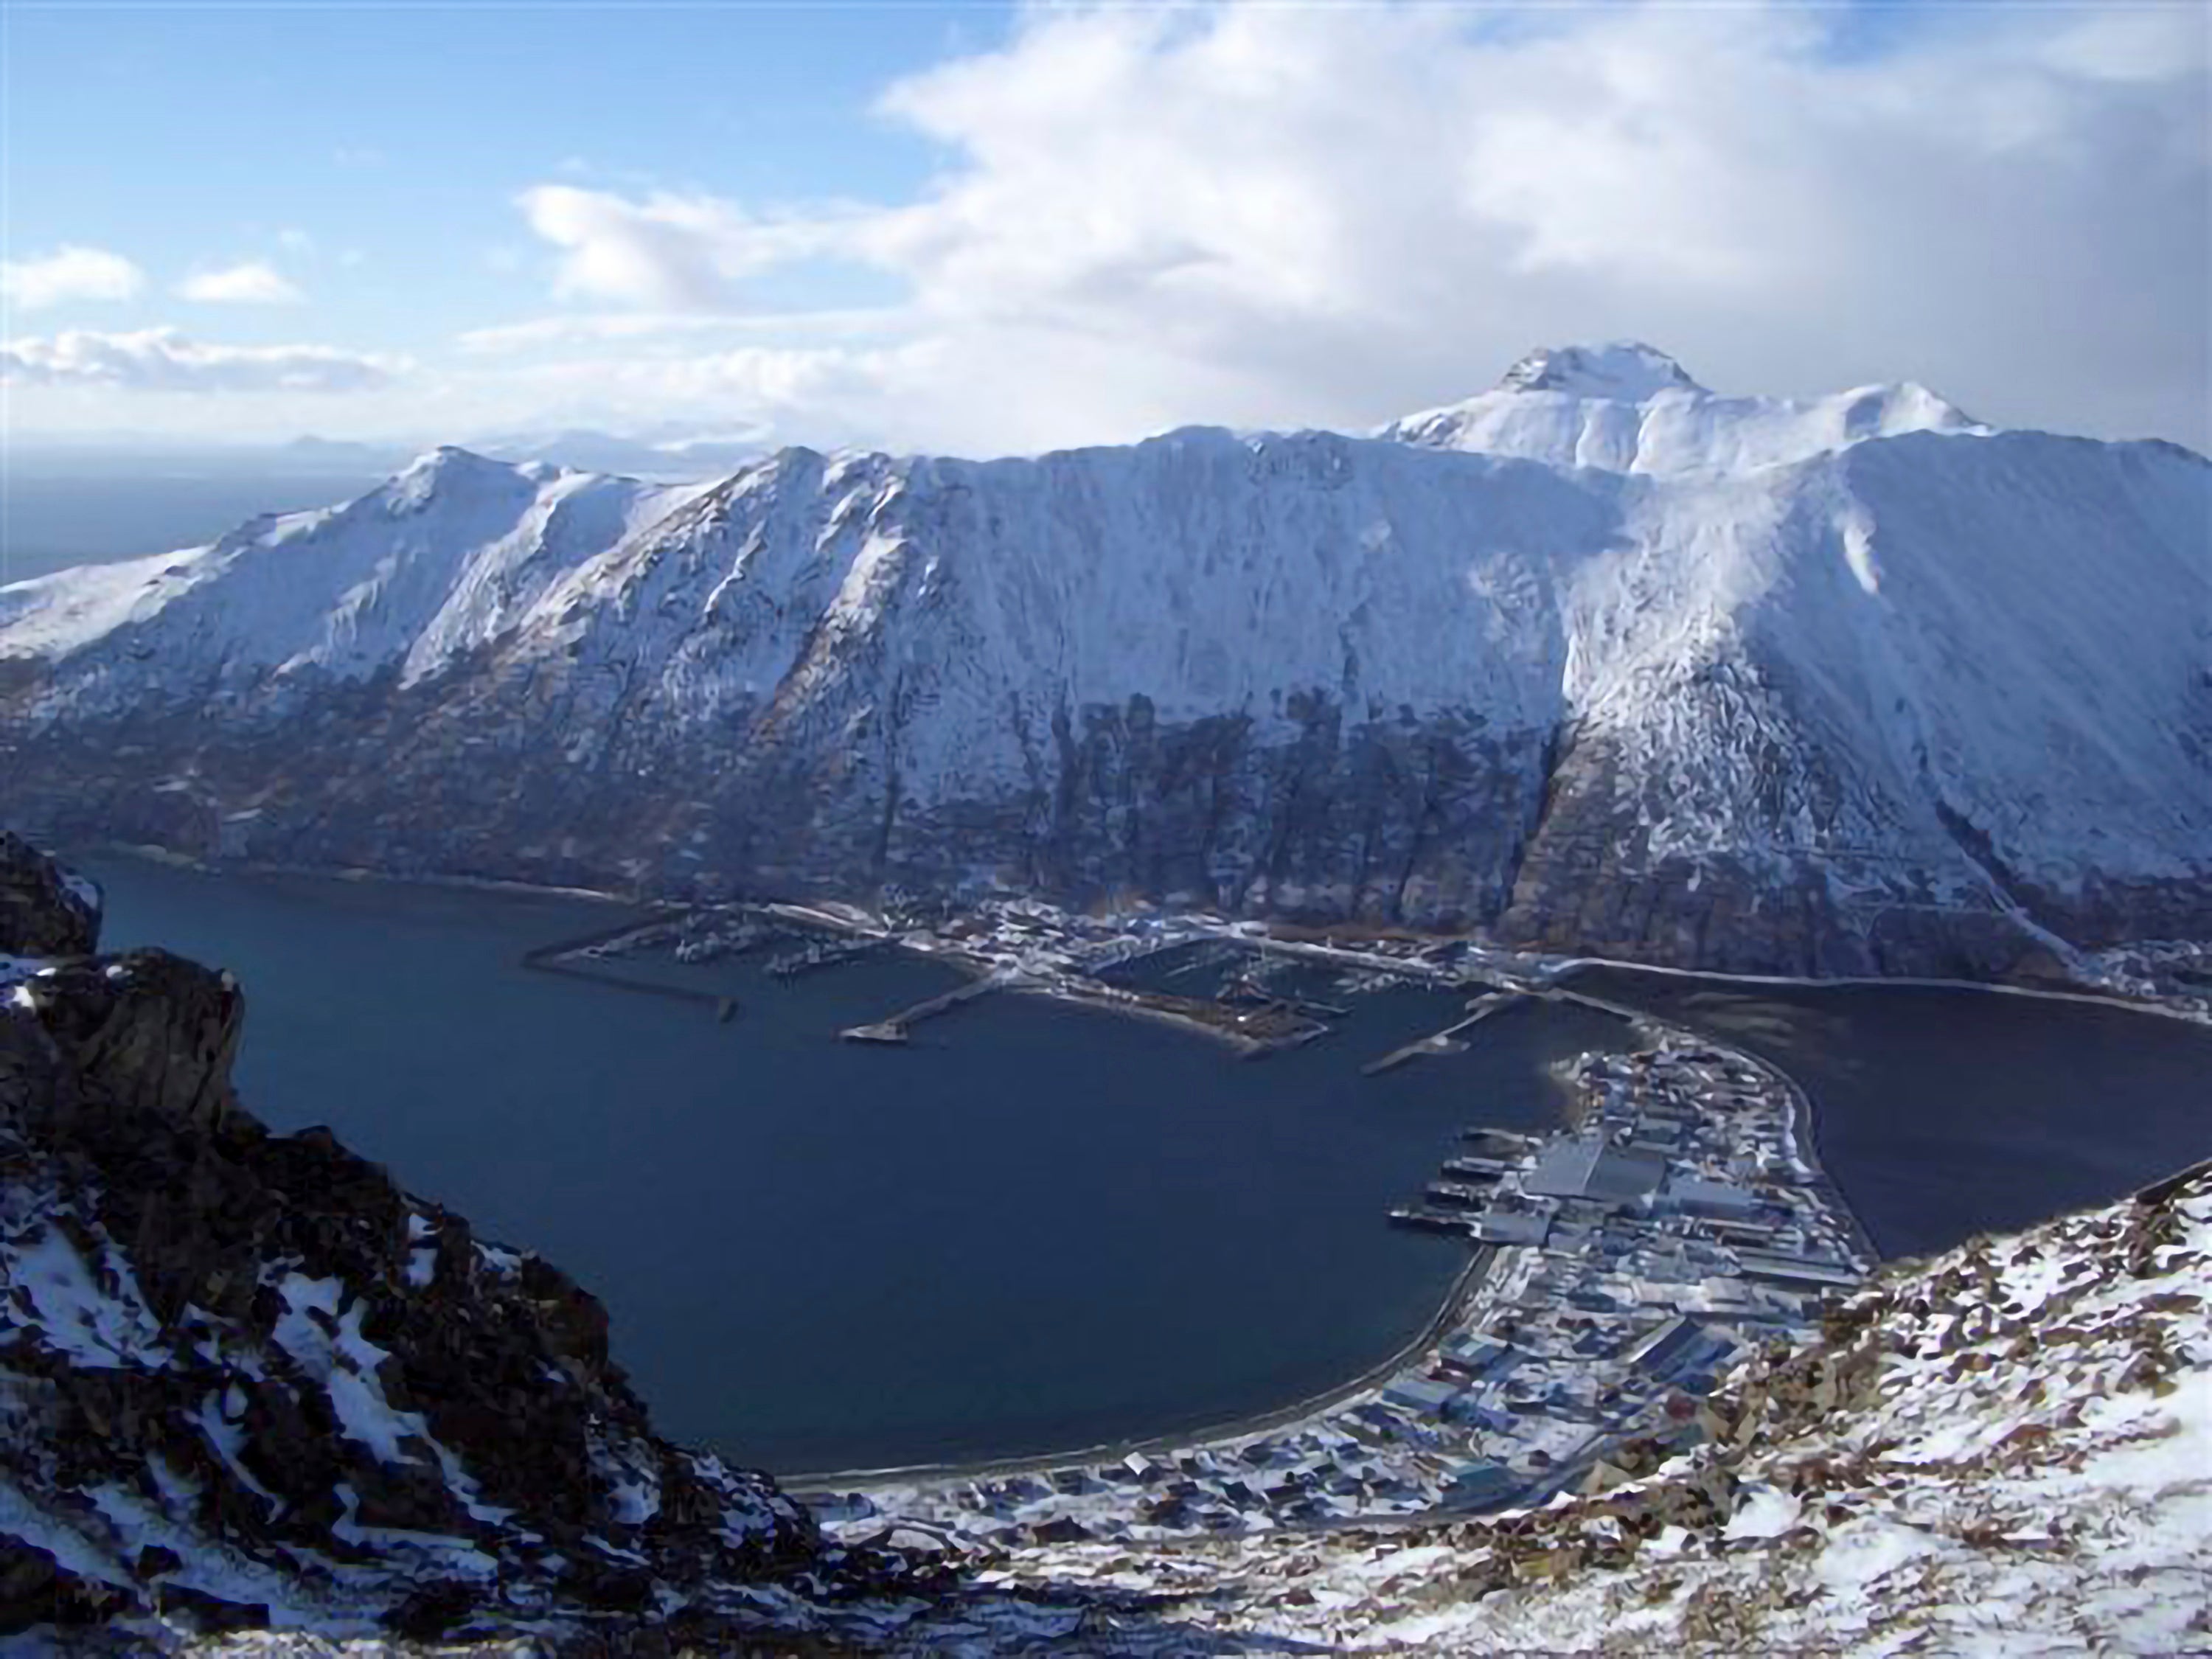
x,y
1676,1219
1616,1268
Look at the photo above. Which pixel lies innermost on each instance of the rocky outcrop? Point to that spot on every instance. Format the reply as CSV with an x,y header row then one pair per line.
x,y
44,911
246,1377
147,1031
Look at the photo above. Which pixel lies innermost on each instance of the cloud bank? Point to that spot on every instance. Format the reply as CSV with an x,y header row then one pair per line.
x,y
166,360
1257,213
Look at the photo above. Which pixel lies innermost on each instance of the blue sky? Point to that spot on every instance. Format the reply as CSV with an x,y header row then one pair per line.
x,y
192,135
989,227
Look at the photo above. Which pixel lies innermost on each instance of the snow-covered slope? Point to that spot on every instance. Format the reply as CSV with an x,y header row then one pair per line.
x,y
2004,1450
442,557
1598,658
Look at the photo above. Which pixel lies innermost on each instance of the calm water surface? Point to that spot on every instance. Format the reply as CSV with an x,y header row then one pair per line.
x,y
1036,1228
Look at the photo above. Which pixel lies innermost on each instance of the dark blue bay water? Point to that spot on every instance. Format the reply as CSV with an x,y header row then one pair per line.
x,y
1942,1113
1037,1227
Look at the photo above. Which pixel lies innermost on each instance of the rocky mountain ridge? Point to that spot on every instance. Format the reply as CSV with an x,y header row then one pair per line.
x,y
1597,661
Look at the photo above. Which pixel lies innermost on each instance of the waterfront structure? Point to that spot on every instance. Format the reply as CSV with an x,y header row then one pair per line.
x,y
1591,1167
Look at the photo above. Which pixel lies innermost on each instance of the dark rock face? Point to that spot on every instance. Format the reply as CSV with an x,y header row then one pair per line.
x,y
156,1033
42,913
1443,822
247,1370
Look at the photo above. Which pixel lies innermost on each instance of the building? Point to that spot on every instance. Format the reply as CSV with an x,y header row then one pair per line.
x,y
1720,1199
1591,1167
1423,1394
1479,1485
1473,1354
1680,1345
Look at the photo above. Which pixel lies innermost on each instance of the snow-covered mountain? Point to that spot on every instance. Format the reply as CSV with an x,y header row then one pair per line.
x,y
447,555
1598,660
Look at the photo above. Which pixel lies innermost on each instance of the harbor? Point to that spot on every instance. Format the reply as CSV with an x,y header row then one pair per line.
x,y
1617,1266
1234,1257
1673,1219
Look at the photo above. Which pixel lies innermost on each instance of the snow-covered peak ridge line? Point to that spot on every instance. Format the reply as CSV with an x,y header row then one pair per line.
x,y
1626,369
1942,683
444,556
1630,408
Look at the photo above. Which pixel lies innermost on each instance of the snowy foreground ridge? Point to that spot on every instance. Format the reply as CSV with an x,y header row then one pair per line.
x,y
2004,1450
1598,658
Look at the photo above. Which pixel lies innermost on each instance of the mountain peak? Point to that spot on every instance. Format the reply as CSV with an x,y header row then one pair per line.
x,y
448,459
1626,370
440,471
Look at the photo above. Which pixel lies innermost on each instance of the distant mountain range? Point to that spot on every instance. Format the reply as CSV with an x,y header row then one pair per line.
x,y
1596,660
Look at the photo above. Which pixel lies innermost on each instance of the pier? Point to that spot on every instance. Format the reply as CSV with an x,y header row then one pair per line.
x,y
1446,1042
1506,1139
894,1030
562,957
826,954
1477,1169
1426,1219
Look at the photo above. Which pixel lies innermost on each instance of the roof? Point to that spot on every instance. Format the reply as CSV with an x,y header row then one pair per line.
x,y
1591,1167
1672,1342
1710,1195
1421,1393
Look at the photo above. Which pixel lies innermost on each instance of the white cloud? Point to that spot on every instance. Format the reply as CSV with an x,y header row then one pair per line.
x,y
70,274
165,360
1258,213
250,282
592,327
675,252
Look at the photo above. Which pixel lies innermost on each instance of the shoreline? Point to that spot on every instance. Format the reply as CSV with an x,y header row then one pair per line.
x,y
1467,1281
1464,1284
1847,982
1804,1144
1553,967
152,853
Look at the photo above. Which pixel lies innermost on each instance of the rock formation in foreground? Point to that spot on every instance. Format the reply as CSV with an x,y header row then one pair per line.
x,y
246,1380
1598,660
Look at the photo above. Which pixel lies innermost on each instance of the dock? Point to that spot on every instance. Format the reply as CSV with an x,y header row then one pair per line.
x,y
894,1029
1453,1196
1478,1135
1426,1219
1440,1044
724,1007
825,954
568,957
1486,1169
1449,1040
